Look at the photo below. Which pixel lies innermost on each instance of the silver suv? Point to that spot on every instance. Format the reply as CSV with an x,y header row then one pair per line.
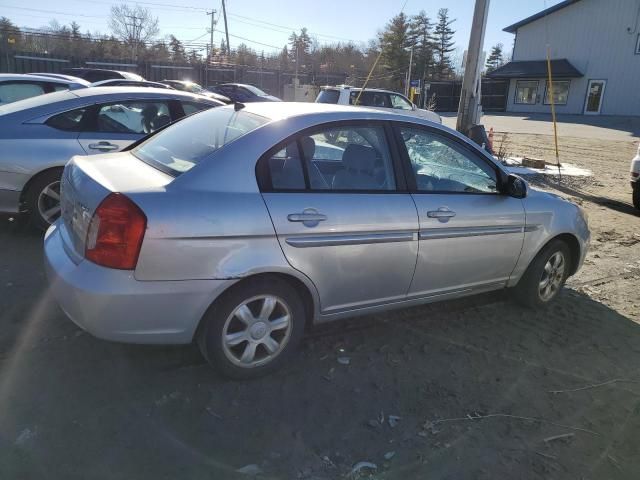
x,y
238,226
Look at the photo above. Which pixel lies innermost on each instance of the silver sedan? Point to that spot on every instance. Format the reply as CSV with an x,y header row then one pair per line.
x,y
40,134
239,226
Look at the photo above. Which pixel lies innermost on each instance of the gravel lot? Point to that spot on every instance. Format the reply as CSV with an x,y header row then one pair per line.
x,y
482,388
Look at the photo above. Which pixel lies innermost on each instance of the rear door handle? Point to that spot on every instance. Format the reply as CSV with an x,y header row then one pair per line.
x,y
442,212
103,146
309,217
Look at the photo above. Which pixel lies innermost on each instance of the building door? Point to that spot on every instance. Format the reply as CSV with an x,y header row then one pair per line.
x,y
595,94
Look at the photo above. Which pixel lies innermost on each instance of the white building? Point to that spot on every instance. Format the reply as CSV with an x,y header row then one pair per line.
x,y
595,52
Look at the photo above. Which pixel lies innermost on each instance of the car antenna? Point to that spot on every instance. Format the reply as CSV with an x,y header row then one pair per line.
x,y
237,106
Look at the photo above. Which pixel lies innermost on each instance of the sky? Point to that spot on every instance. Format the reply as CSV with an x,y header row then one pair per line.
x,y
265,26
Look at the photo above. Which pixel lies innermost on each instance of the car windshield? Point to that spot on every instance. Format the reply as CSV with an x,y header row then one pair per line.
x,y
328,96
193,87
182,146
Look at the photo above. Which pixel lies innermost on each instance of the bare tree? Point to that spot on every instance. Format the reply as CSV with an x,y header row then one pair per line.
x,y
135,26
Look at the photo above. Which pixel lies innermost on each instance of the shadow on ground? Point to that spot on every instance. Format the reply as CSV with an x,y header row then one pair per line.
x,y
72,406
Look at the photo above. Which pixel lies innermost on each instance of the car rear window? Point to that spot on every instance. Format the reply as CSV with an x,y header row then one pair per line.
x,y
182,146
328,96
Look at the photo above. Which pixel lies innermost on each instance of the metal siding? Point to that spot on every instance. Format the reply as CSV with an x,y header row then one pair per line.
x,y
592,35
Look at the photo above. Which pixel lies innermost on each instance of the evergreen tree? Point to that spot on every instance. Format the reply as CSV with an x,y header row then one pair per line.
x,y
422,41
496,58
394,42
176,48
443,44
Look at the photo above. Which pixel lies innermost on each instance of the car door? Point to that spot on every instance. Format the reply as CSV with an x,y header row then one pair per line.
x,y
341,213
470,234
113,126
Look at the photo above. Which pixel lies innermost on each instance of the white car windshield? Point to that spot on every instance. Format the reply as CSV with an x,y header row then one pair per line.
x,y
182,146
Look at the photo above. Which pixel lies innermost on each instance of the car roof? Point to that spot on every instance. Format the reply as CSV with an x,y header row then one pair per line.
x,y
280,110
142,91
41,77
357,89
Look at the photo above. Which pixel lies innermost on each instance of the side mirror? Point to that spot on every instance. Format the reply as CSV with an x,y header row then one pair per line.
x,y
516,187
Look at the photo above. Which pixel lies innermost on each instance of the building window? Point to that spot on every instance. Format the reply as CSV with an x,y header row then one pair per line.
x,y
526,91
638,45
560,93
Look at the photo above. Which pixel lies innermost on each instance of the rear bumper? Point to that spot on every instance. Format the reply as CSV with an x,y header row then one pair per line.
x,y
112,305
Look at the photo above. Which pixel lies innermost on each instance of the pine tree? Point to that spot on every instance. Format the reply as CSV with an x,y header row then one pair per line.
x,y
443,43
422,41
178,53
394,42
496,58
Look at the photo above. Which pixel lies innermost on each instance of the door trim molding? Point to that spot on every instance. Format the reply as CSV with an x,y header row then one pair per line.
x,y
350,239
458,232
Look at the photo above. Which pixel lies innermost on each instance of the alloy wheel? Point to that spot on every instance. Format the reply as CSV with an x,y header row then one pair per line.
x,y
552,276
257,331
49,202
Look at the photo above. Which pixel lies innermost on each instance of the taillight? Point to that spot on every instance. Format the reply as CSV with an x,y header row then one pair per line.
x,y
115,233
635,174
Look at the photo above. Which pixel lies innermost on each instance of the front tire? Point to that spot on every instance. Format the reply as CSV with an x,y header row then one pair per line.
x,y
252,329
43,199
545,276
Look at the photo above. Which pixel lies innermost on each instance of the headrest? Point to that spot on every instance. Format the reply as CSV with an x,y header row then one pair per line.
x,y
359,157
308,148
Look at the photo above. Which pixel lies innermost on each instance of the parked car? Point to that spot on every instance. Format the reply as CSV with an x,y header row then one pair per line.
x,y
240,92
374,98
228,228
14,87
634,175
97,74
39,135
193,87
121,82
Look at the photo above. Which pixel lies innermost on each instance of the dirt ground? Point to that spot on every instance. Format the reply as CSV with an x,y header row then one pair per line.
x,y
483,389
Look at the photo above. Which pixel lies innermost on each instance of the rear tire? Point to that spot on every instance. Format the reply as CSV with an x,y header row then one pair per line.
x,y
42,205
545,276
636,196
252,329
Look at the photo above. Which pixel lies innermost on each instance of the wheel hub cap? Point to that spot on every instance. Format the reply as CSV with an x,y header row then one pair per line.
x,y
552,276
257,331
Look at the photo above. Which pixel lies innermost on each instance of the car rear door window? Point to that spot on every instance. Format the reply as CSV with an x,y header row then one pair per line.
x,y
333,158
285,169
370,99
140,117
441,165
69,121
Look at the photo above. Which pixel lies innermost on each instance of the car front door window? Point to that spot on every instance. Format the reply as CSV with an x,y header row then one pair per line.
x,y
442,166
401,103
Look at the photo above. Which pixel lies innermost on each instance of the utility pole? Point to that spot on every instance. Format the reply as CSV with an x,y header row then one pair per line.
x,y
226,28
137,28
468,108
210,56
408,85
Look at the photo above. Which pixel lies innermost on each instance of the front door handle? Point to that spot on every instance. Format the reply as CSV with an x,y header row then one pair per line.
x,y
103,146
442,212
306,217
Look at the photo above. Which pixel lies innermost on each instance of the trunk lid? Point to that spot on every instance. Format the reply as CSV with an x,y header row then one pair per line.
x,y
86,181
